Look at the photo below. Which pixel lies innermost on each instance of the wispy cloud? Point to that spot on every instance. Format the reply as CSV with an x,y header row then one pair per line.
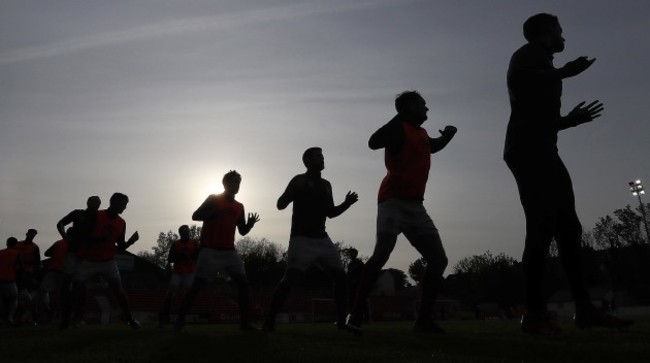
x,y
187,25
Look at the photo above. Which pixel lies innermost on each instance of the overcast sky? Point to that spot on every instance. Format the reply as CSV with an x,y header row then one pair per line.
x,y
158,99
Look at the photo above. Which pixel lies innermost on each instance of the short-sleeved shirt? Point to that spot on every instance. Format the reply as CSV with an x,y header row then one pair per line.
x,y
535,102
8,264
312,201
407,171
219,232
188,248
30,254
104,237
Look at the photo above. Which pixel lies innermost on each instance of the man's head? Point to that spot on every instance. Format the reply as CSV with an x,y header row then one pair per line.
x,y
313,159
231,181
93,203
353,253
184,232
31,233
412,106
12,242
118,202
544,29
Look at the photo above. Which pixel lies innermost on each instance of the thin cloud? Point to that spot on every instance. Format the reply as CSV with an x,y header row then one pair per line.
x,y
196,24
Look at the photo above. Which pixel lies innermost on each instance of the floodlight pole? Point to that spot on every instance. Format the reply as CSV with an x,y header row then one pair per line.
x,y
637,189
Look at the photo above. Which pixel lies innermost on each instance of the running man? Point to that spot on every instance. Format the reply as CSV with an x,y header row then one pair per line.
x,y
221,214
309,243
182,261
10,264
83,221
97,256
407,155
545,187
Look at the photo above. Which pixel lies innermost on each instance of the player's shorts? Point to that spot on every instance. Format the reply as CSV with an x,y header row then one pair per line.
x,y
305,251
211,261
180,281
89,269
71,262
52,281
397,216
8,290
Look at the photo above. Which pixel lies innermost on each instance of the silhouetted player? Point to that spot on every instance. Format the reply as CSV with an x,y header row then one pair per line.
x,y
309,244
53,280
30,255
82,221
182,255
407,156
545,187
221,214
10,263
97,256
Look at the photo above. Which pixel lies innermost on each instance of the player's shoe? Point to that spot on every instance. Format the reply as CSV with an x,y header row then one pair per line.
x,y
132,323
268,326
539,324
589,316
427,326
353,324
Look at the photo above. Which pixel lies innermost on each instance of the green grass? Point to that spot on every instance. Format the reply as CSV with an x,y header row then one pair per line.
x,y
466,341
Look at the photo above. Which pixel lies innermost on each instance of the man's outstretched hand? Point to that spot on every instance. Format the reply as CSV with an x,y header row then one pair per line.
x,y
582,114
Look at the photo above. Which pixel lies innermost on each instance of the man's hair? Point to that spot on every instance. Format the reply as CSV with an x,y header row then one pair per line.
x,y
12,241
32,231
539,25
309,152
185,226
117,197
406,98
91,198
233,174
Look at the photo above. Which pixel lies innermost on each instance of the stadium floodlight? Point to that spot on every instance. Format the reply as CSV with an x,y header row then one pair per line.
x,y
636,188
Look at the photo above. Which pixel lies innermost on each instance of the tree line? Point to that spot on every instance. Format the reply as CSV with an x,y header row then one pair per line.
x,y
615,254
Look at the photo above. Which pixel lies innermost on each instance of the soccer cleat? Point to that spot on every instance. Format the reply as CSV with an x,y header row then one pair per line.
x,y
539,324
131,322
427,326
268,326
353,324
589,316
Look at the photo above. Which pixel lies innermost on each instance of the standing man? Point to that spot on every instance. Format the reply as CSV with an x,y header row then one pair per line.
x,y
10,263
30,255
407,155
221,214
97,256
182,255
309,244
545,187
54,277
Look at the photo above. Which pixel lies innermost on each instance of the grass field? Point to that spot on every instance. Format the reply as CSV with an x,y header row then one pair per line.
x,y
465,341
